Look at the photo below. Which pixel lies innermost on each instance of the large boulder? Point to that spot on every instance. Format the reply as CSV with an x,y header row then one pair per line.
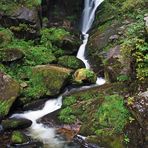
x,y
47,80
22,18
100,111
71,62
9,91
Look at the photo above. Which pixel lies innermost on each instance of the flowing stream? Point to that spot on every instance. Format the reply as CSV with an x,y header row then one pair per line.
x,y
38,130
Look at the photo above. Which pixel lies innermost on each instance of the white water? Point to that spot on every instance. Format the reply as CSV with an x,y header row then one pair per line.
x,y
88,16
39,131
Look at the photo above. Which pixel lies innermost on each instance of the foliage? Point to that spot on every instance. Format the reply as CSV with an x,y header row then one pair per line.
x,y
5,106
66,115
123,78
70,62
52,35
6,37
112,114
129,5
18,137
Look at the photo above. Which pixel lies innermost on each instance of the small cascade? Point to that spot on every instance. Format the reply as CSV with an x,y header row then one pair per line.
x,y
38,130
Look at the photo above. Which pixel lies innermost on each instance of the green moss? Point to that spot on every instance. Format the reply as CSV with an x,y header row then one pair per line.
x,y
84,75
18,138
111,115
70,62
46,80
53,36
9,6
67,115
5,106
6,37
34,55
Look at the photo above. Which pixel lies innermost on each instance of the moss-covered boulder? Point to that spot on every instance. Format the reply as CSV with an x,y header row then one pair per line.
x,y
84,76
19,138
14,123
5,37
100,111
71,62
9,91
10,54
22,17
47,80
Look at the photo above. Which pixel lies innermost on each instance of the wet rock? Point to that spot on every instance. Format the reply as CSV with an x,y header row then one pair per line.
x,y
34,105
10,54
51,119
71,62
31,144
9,91
14,123
84,76
19,138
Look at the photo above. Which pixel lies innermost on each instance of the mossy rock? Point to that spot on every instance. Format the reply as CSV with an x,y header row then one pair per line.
x,y
5,37
14,123
19,138
84,76
9,91
71,62
10,54
22,17
47,80
100,110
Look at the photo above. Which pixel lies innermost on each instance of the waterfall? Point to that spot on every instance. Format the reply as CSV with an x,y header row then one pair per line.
x,y
88,15
38,130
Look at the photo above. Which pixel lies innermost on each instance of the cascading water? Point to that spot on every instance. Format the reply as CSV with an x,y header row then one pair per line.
x,y
88,16
39,131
